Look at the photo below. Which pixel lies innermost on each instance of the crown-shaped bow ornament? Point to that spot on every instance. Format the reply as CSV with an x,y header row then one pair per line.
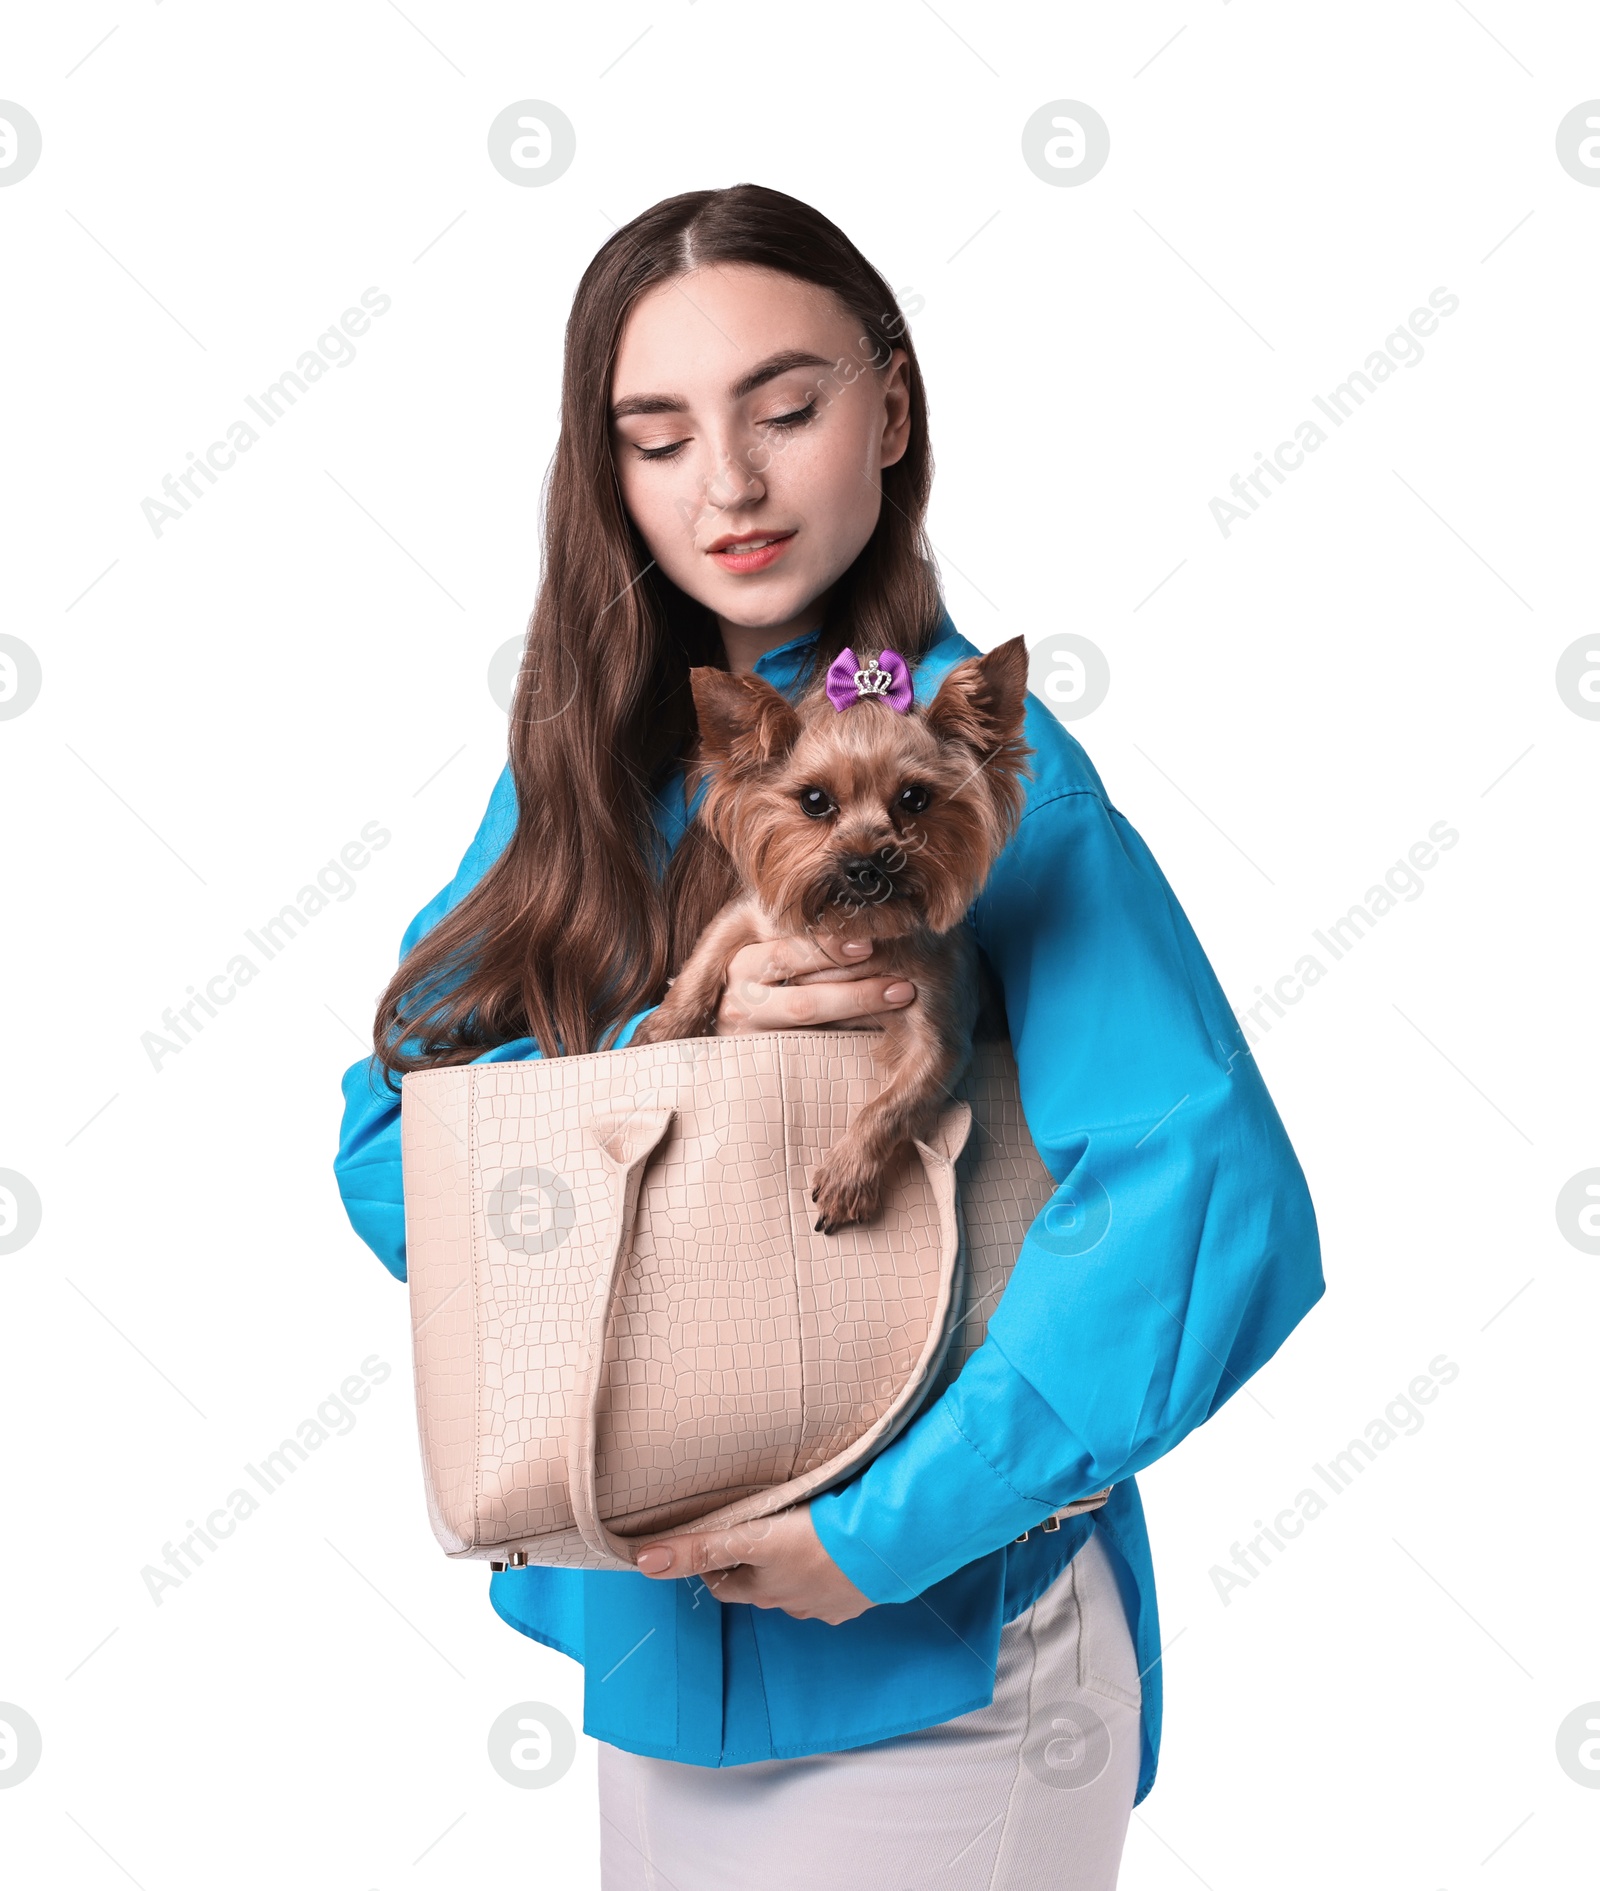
x,y
886,677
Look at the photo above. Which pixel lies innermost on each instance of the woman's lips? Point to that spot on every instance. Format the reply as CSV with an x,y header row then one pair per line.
x,y
737,558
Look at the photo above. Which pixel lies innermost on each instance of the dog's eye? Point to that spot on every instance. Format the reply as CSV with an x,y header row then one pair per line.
x,y
913,800
816,802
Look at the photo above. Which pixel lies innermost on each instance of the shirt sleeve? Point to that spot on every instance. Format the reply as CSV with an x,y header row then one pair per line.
x,y
367,1166
1177,1253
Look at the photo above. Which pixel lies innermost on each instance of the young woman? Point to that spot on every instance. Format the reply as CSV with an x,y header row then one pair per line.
x,y
906,1681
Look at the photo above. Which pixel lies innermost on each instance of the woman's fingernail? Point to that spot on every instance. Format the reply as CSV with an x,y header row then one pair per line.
x,y
654,1562
856,948
899,993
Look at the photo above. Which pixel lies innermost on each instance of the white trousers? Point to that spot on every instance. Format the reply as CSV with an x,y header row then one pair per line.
x,y
1033,1791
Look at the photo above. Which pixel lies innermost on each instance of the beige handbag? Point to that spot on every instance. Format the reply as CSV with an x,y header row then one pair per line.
x,y
624,1323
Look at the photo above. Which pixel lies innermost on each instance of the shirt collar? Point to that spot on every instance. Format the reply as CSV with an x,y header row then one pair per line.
x,y
784,667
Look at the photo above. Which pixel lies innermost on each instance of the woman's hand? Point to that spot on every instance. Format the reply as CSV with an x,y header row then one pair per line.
x,y
787,984
775,1563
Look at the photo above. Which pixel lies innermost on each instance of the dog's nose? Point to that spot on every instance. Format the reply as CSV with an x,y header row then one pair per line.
x,y
865,876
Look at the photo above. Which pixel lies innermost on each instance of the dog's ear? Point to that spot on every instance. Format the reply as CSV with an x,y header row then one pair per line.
x,y
983,700
744,721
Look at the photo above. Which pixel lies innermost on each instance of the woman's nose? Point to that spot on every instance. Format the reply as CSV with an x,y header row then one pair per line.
x,y
733,482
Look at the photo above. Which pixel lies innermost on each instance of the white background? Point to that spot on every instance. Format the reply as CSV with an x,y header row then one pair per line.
x,y
1291,707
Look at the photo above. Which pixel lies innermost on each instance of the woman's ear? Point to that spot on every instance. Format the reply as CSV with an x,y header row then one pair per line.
x,y
983,701
744,722
896,410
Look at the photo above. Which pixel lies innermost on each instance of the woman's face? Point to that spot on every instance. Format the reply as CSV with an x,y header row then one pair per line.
x,y
750,436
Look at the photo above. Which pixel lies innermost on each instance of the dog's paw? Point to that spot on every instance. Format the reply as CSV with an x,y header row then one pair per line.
x,y
845,1192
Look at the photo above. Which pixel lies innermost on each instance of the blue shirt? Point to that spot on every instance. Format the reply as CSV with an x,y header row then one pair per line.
x,y
1101,1354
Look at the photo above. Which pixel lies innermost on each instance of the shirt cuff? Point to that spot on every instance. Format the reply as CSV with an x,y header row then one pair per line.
x,y
933,1501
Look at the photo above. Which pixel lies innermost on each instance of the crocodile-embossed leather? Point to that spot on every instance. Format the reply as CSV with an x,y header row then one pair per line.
x,y
623,1319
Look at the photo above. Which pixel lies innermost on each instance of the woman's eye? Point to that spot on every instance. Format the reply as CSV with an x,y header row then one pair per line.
x,y
660,452
913,800
797,418
816,802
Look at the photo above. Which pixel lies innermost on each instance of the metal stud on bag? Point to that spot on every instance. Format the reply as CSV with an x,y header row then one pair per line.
x,y
1050,1524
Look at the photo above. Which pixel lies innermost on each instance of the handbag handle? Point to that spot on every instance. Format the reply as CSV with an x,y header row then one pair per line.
x,y
627,1140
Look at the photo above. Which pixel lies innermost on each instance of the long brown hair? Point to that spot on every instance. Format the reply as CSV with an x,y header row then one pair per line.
x,y
576,926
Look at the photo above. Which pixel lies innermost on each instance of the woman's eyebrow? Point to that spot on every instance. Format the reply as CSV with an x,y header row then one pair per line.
x,y
773,366
648,404
764,371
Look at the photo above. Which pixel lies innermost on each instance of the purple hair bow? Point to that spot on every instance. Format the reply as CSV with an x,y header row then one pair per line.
x,y
888,679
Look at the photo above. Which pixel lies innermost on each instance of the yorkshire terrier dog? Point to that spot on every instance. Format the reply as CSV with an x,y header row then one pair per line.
x,y
860,814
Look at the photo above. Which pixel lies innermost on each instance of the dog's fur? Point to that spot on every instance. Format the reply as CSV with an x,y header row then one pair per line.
x,y
872,868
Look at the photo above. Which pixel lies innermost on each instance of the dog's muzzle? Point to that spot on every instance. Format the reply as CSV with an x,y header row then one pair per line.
x,y
866,878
